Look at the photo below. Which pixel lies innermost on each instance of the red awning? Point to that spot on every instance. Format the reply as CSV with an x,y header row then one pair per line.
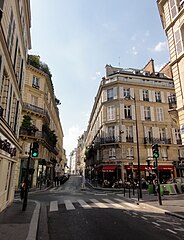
x,y
144,167
109,168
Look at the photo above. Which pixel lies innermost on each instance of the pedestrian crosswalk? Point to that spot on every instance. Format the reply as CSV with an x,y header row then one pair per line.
x,y
104,203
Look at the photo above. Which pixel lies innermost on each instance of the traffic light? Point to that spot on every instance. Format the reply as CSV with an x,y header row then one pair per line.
x,y
155,150
34,152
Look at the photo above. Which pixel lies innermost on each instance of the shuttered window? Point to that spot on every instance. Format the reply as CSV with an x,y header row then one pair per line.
x,y
178,42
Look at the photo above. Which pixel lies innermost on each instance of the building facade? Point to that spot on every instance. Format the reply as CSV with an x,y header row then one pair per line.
x,y
128,98
40,123
14,44
172,17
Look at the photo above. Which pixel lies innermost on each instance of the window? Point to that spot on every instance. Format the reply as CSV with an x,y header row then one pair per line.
x,y
173,8
127,112
145,95
130,153
178,136
126,92
160,114
129,134
35,82
111,113
111,131
162,134
164,153
34,100
157,96
147,113
178,42
110,94
112,153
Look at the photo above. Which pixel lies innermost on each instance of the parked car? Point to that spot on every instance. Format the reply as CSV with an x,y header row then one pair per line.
x,y
179,181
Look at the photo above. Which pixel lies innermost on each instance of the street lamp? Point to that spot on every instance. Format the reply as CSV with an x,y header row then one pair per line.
x,y
138,154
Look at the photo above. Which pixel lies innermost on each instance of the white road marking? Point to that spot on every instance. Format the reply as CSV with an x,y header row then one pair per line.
x,y
135,213
169,230
69,205
113,204
126,203
157,224
144,218
179,229
83,204
98,204
53,206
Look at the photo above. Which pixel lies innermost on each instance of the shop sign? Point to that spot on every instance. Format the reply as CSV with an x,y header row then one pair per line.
x,y
6,146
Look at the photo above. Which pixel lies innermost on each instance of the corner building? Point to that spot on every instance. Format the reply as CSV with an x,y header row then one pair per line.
x,y
172,17
40,104
127,97
14,44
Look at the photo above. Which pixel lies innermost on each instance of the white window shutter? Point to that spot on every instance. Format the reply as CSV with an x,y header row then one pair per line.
x,y
168,94
132,92
133,112
145,132
141,94
150,95
174,136
155,132
134,134
153,96
122,114
162,97
152,114
142,113
117,131
104,97
121,92
115,93
123,133
113,113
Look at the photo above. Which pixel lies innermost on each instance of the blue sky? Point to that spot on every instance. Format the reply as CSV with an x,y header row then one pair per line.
x,y
77,38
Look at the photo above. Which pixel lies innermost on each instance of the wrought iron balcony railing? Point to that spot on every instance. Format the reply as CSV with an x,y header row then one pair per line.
x,y
157,140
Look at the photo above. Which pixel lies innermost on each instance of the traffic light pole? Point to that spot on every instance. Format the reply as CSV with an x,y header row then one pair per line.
x,y
27,180
158,184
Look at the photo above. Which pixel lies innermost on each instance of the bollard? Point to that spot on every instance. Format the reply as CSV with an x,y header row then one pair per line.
x,y
124,191
129,192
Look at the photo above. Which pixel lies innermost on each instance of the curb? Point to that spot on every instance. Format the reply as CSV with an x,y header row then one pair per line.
x,y
175,215
33,227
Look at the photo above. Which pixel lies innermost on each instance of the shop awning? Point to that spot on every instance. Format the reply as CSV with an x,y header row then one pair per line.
x,y
109,168
144,167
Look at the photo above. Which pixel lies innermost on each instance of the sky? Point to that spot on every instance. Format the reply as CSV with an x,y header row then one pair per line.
x,y
77,38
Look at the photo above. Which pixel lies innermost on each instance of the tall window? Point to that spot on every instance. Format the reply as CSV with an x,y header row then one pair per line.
x,y
129,134
145,95
130,153
160,114
178,136
162,134
34,100
173,8
111,131
110,94
112,153
147,113
127,112
126,92
178,41
111,113
35,82
157,96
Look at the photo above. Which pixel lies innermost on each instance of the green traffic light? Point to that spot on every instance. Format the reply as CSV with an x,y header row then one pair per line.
x,y
155,155
34,154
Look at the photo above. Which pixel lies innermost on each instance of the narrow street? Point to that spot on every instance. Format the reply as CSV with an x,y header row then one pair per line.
x,y
69,213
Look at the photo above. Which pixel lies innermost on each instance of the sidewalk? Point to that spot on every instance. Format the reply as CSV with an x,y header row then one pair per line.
x,y
18,224
171,204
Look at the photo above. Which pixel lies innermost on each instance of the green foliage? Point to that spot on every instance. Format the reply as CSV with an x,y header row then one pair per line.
x,y
52,138
26,123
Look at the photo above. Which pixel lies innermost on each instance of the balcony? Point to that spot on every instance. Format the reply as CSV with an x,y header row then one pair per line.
x,y
1,111
157,140
33,108
129,139
39,135
179,141
110,139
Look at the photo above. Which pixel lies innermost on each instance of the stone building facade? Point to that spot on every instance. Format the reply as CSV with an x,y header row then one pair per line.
x,y
127,97
172,17
14,44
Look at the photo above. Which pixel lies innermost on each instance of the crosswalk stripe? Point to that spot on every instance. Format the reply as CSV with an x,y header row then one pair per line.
x,y
113,204
69,205
83,203
98,204
126,203
53,206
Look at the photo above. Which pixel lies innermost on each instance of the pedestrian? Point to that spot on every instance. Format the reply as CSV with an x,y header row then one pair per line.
x,y
22,189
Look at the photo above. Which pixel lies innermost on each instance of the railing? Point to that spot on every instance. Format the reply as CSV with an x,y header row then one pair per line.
x,y
1,111
110,139
172,102
36,109
157,140
129,139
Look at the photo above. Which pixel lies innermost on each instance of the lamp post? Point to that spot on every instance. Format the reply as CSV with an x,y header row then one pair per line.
x,y
138,153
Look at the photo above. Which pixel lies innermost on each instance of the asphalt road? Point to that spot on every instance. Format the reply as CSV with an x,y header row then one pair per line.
x,y
68,213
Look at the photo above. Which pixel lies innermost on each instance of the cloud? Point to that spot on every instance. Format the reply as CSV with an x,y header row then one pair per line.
x,y
134,51
160,47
